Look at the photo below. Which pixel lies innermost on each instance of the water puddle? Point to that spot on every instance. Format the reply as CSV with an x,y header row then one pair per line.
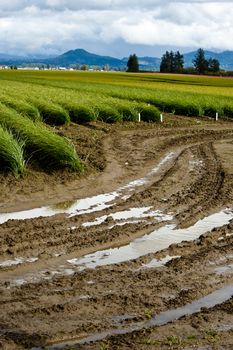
x,y
16,261
224,327
122,318
82,206
223,269
159,262
217,297
156,241
85,205
132,213
61,270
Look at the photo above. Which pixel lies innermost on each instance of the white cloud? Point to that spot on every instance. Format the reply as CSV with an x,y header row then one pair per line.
x,y
50,26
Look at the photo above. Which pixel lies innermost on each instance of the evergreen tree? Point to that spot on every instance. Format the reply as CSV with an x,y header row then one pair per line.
x,y
132,64
165,66
172,62
178,62
214,65
200,63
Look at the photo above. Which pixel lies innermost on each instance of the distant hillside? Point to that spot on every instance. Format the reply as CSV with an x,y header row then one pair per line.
x,y
80,57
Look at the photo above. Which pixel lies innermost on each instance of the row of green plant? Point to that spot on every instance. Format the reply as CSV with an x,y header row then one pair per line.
x,y
40,145
190,96
11,153
88,107
171,101
21,106
57,107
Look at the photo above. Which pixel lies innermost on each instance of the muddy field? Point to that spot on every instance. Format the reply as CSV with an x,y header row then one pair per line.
x,y
136,253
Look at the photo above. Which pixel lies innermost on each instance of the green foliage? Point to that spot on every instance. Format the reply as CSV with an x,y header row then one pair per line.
x,y
45,147
192,336
80,113
203,66
172,340
50,112
21,106
149,313
172,62
132,64
89,93
108,114
104,346
11,153
211,335
213,65
200,63
149,113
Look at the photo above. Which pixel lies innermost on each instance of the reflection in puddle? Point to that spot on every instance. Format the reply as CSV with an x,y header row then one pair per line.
x,y
132,213
121,318
218,297
223,269
84,205
156,241
224,327
16,261
159,262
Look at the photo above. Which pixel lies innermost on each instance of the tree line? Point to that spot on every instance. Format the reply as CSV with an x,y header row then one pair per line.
x,y
173,62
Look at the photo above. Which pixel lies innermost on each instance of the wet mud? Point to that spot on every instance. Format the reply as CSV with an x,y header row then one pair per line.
x,y
129,255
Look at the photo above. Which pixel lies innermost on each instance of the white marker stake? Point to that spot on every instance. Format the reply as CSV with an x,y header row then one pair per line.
x,y
139,117
161,118
217,116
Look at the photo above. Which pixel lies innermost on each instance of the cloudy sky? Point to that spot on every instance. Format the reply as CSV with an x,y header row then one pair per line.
x,y
114,27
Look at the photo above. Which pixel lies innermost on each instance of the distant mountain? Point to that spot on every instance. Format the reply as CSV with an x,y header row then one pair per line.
x,y
80,57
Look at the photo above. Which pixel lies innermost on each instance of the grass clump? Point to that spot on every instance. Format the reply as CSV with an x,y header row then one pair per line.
x,y
22,107
11,153
211,335
51,113
50,150
107,113
79,113
148,113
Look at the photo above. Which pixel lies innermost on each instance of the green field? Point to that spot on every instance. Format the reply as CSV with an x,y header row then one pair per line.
x,y
30,100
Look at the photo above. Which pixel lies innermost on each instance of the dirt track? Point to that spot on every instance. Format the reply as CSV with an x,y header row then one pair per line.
x,y
54,300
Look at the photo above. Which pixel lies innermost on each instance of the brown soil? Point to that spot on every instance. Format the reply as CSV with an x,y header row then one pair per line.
x,y
54,305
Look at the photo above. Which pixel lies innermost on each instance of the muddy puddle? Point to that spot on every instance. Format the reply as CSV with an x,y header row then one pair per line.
x,y
89,204
16,261
159,262
156,241
217,297
132,213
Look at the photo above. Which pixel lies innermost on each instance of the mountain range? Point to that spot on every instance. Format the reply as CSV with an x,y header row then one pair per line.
x,y
81,57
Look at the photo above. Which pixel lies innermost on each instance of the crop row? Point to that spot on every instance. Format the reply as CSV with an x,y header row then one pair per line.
x,y
57,107
92,99
32,140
